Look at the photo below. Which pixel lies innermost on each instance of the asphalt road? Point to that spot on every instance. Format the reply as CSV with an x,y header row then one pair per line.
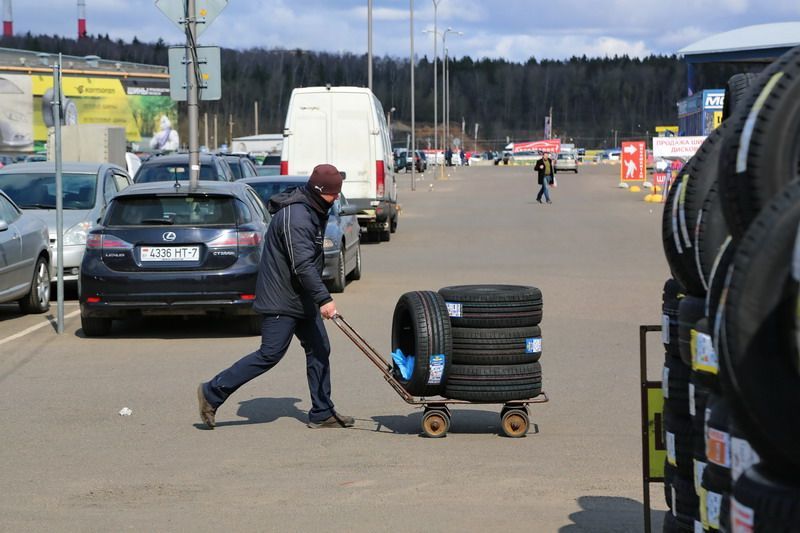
x,y
72,463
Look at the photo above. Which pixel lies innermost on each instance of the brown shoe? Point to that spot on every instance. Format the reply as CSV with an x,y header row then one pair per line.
x,y
206,411
334,421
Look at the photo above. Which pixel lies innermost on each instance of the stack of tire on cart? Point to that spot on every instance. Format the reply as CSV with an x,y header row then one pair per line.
x,y
731,316
472,344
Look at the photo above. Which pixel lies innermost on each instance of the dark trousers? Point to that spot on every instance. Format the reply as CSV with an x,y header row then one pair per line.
x,y
276,334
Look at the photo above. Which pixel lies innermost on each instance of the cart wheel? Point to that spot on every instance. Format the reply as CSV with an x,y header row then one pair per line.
x,y
435,423
514,423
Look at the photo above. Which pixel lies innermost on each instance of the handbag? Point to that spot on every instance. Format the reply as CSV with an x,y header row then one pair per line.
x,y
553,182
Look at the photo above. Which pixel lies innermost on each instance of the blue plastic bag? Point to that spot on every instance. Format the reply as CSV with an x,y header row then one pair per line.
x,y
404,363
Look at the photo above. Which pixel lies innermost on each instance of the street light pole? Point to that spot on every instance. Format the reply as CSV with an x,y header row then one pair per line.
x,y
445,125
369,44
413,117
435,81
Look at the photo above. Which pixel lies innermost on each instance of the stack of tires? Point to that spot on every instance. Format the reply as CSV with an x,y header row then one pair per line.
x,y
730,232
497,342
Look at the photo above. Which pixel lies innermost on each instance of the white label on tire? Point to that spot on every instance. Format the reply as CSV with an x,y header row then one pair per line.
x,y
533,345
665,329
713,506
671,456
692,403
665,382
674,502
705,357
742,518
743,456
436,369
699,468
676,232
698,527
455,310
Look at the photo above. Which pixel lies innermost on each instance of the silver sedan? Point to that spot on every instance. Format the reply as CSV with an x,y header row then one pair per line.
x,y
88,187
24,258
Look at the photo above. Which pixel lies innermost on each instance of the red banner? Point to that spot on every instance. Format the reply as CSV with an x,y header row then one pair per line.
x,y
634,161
552,146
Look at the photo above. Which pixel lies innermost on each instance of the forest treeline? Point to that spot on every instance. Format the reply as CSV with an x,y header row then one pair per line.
x,y
592,99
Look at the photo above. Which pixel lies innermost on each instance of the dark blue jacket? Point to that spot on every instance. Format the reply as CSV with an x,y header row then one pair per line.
x,y
290,274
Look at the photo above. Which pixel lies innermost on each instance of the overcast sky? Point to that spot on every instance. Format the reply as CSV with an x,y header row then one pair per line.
x,y
511,29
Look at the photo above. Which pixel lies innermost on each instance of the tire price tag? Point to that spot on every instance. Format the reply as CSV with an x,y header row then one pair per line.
x,y
705,357
454,309
665,382
533,345
436,369
665,329
743,456
671,449
713,507
742,518
718,447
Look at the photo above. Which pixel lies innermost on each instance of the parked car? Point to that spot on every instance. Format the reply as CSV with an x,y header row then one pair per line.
x,y
567,161
526,157
88,188
402,161
272,160
166,250
175,167
268,170
342,243
346,127
24,258
240,165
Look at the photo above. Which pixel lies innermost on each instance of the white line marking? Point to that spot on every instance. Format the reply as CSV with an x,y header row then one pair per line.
x,y
37,326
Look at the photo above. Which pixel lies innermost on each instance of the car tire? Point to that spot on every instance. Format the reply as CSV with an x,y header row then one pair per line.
x,y
37,300
675,384
670,303
679,258
95,326
393,223
769,503
355,274
690,310
761,153
697,180
420,328
735,91
385,235
496,383
758,343
493,306
496,346
680,442
339,280
718,443
681,497
711,233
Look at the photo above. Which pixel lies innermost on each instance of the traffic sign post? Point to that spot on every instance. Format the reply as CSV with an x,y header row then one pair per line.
x,y
184,13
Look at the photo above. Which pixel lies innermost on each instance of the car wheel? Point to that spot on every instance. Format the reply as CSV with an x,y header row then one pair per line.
x,y
338,282
355,274
493,306
38,299
420,328
95,327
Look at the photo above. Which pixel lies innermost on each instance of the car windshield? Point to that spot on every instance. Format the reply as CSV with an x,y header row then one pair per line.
x,y
180,210
171,172
236,169
267,190
268,170
566,156
37,190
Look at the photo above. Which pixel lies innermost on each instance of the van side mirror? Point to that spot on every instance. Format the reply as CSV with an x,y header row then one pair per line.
x,y
3,225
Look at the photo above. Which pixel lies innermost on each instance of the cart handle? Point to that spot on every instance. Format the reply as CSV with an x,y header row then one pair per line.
x,y
373,355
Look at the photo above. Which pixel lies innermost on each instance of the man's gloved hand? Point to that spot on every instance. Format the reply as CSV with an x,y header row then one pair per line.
x,y
328,310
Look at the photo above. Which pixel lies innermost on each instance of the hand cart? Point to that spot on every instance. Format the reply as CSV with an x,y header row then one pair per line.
x,y
514,420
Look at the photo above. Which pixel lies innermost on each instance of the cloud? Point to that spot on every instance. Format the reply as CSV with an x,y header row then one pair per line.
x,y
523,47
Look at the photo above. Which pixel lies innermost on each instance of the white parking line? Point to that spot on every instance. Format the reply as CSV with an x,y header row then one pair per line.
x,y
50,321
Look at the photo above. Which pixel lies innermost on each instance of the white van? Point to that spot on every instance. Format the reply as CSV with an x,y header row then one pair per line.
x,y
345,127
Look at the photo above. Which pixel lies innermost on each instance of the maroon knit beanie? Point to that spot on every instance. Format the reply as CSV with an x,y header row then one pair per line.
x,y
325,179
